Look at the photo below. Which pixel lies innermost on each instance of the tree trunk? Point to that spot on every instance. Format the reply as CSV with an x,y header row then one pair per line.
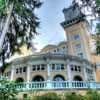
x,y
6,26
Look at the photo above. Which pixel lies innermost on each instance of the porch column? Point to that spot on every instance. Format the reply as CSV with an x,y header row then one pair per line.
x,y
84,70
95,76
49,82
12,73
69,74
28,75
48,72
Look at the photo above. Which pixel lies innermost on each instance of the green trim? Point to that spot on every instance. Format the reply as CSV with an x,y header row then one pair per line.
x,y
59,75
36,76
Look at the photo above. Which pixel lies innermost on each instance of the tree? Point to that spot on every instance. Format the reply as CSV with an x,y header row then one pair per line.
x,y
8,90
18,24
93,7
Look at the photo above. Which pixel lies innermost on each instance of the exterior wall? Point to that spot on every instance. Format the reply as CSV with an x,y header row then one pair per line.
x,y
74,30
22,75
51,48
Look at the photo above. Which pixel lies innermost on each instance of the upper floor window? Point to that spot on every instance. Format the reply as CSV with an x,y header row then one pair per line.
x,y
57,66
78,46
76,68
21,70
48,52
58,50
88,71
7,73
38,67
54,51
80,54
76,37
64,48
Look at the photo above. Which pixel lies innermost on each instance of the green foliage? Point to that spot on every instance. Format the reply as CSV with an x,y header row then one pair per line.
x,y
22,27
8,90
48,96
92,95
73,96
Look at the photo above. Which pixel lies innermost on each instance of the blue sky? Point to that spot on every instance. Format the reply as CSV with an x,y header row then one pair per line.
x,y
51,16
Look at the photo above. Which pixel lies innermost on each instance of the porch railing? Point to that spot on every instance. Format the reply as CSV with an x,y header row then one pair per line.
x,y
61,85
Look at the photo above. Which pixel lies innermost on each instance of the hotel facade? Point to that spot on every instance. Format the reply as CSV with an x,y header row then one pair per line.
x,y
68,65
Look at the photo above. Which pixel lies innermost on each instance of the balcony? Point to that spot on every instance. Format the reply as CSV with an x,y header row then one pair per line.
x,y
51,85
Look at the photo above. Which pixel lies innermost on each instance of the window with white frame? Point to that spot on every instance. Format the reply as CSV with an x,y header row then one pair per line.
x,y
80,54
76,68
38,67
7,74
54,51
57,66
76,37
48,52
88,71
21,70
78,46
58,50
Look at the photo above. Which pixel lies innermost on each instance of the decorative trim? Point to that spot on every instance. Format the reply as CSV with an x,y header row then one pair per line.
x,y
86,49
70,41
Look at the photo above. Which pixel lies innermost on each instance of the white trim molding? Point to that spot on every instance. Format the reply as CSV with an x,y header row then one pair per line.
x,y
86,49
70,41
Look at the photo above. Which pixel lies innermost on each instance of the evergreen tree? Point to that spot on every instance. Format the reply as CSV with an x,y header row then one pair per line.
x,y
18,24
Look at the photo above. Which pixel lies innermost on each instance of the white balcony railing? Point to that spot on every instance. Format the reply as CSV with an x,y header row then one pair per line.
x,y
61,85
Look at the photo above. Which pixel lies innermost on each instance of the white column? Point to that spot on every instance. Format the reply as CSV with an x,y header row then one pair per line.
x,y
84,70
49,82
12,73
95,76
48,72
68,72
28,76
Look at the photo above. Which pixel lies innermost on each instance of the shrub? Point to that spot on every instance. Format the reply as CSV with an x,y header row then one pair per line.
x,y
8,90
92,95
73,96
48,96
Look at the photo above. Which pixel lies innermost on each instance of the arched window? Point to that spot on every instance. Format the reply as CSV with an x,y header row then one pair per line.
x,y
59,81
38,82
38,78
19,79
78,83
78,78
59,78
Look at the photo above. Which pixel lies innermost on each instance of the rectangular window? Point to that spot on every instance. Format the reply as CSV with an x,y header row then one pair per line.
x,y
80,54
76,37
24,69
54,51
16,71
57,67
20,70
34,68
78,46
62,66
42,67
64,48
58,50
38,67
53,66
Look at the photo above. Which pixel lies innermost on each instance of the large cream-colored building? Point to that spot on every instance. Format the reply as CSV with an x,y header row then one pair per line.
x,y
70,64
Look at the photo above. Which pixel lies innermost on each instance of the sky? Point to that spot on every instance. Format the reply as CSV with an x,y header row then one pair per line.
x,y
51,15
